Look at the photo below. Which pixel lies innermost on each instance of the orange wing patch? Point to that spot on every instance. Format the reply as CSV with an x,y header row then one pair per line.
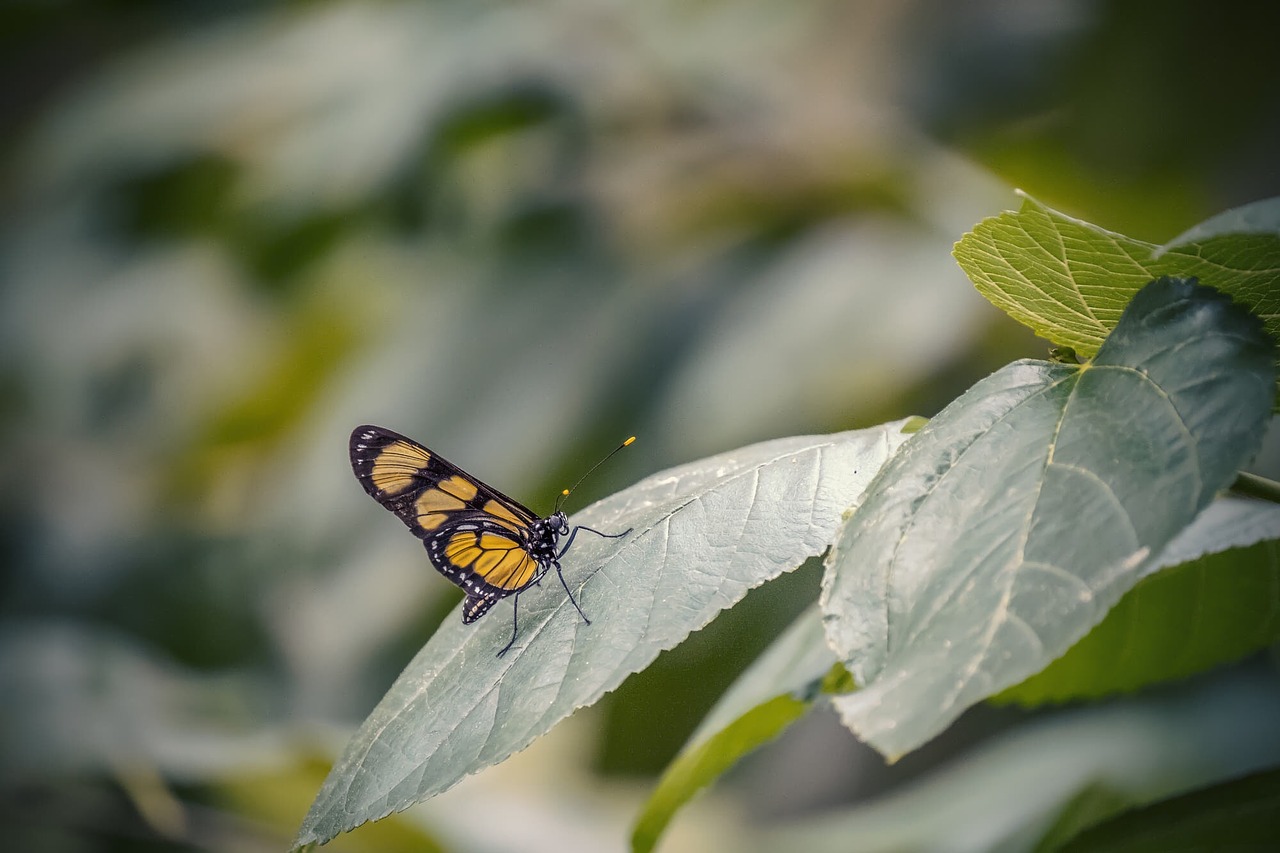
x,y
463,549
481,540
397,467
503,514
460,487
434,506
500,561
515,570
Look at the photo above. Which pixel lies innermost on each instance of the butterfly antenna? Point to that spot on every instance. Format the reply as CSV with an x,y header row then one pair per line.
x,y
564,494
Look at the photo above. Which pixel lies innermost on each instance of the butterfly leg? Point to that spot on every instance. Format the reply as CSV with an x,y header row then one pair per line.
x,y
560,574
572,600
574,532
515,606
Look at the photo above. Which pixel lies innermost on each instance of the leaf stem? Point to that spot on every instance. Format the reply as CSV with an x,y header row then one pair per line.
x,y
1254,486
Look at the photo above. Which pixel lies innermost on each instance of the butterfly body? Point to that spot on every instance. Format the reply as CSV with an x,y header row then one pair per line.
x,y
540,542
490,545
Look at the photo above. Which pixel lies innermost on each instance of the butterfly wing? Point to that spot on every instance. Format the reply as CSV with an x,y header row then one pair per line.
x,y
425,490
477,537
483,559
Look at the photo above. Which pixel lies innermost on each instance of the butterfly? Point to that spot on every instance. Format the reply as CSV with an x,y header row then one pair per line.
x,y
490,545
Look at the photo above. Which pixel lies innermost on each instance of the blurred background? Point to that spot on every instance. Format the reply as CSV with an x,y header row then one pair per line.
x,y
519,233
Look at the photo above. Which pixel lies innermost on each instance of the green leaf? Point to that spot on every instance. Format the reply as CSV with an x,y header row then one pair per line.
x,y
1260,218
1012,789
1012,523
1215,599
1242,814
695,768
702,535
1069,280
771,694
1091,805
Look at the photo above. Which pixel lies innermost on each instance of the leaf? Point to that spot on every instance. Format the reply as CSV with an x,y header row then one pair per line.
x,y
1261,218
702,535
1018,516
273,798
1093,804
1014,788
772,693
1069,280
695,768
1242,814
798,663
1215,598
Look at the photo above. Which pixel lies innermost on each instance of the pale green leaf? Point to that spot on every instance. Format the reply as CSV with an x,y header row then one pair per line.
x,y
1012,523
1215,599
1260,218
1013,789
702,535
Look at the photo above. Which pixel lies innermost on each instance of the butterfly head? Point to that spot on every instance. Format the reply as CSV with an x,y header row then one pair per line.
x,y
558,523
544,537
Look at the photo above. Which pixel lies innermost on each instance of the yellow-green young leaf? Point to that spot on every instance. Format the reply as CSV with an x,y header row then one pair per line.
x,y
777,689
1193,614
697,767
1069,280
1009,526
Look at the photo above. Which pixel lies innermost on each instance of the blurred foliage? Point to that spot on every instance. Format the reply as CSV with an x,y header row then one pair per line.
x,y
1146,119
517,232
1241,814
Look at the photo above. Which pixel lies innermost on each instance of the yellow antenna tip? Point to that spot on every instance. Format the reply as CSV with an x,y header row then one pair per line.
x,y
564,492
629,441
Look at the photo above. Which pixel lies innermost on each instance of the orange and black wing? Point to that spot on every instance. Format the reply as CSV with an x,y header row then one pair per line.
x,y
483,559
425,490
475,536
